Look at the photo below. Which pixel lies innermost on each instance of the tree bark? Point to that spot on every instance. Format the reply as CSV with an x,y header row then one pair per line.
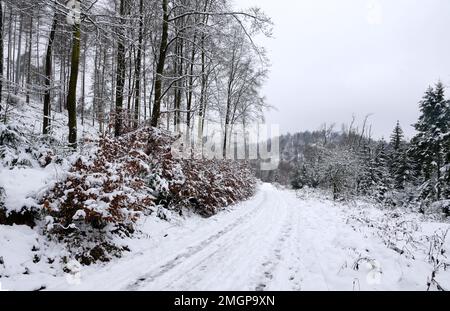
x,y
137,100
1,53
18,59
30,39
191,85
202,108
120,79
48,77
72,94
83,95
156,111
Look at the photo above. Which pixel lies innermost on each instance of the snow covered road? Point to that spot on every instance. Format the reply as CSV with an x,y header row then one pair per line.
x,y
276,241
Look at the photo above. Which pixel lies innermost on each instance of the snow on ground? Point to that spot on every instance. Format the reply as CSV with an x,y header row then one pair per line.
x,y
22,185
30,117
27,260
276,241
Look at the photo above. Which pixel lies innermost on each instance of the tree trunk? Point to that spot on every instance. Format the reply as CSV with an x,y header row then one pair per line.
x,y
8,64
144,87
1,53
61,80
19,51
48,78
30,41
72,94
179,64
438,185
191,86
156,111
12,44
102,91
137,101
202,108
95,100
130,86
227,115
120,79
38,65
83,95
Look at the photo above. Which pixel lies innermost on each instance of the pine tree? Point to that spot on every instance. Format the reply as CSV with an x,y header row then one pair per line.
x,y
374,178
398,159
430,145
365,179
300,178
382,178
397,137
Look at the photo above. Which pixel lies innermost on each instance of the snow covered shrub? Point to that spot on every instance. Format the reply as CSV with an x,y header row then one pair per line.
x,y
204,186
395,229
16,150
437,257
2,197
212,185
103,194
14,100
106,189
24,216
341,168
131,176
439,207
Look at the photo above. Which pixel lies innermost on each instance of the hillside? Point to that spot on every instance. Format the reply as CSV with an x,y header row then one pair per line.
x,y
64,205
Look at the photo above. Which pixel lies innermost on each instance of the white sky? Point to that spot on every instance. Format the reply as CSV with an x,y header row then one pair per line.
x,y
335,58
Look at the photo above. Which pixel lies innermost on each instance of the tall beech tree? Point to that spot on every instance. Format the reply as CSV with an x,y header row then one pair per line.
x,y
74,68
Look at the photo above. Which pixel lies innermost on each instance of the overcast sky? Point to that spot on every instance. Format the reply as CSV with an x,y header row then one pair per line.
x,y
334,58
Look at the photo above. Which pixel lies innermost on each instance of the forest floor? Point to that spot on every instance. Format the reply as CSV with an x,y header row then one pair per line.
x,y
279,240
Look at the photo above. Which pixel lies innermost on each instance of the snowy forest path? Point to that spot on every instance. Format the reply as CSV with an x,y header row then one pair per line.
x,y
275,241
270,247
235,254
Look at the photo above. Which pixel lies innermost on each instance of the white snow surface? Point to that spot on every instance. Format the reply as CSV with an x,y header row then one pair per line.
x,y
275,241
22,185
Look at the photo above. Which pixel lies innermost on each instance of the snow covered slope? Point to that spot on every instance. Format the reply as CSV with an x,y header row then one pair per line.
x,y
276,241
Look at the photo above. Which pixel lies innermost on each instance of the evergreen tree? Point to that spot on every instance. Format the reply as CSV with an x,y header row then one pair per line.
x,y
397,137
398,159
365,180
382,180
430,145
374,179
300,178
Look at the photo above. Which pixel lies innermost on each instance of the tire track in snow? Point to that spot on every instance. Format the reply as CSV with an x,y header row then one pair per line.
x,y
218,257
193,250
246,248
283,251
276,257
272,262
